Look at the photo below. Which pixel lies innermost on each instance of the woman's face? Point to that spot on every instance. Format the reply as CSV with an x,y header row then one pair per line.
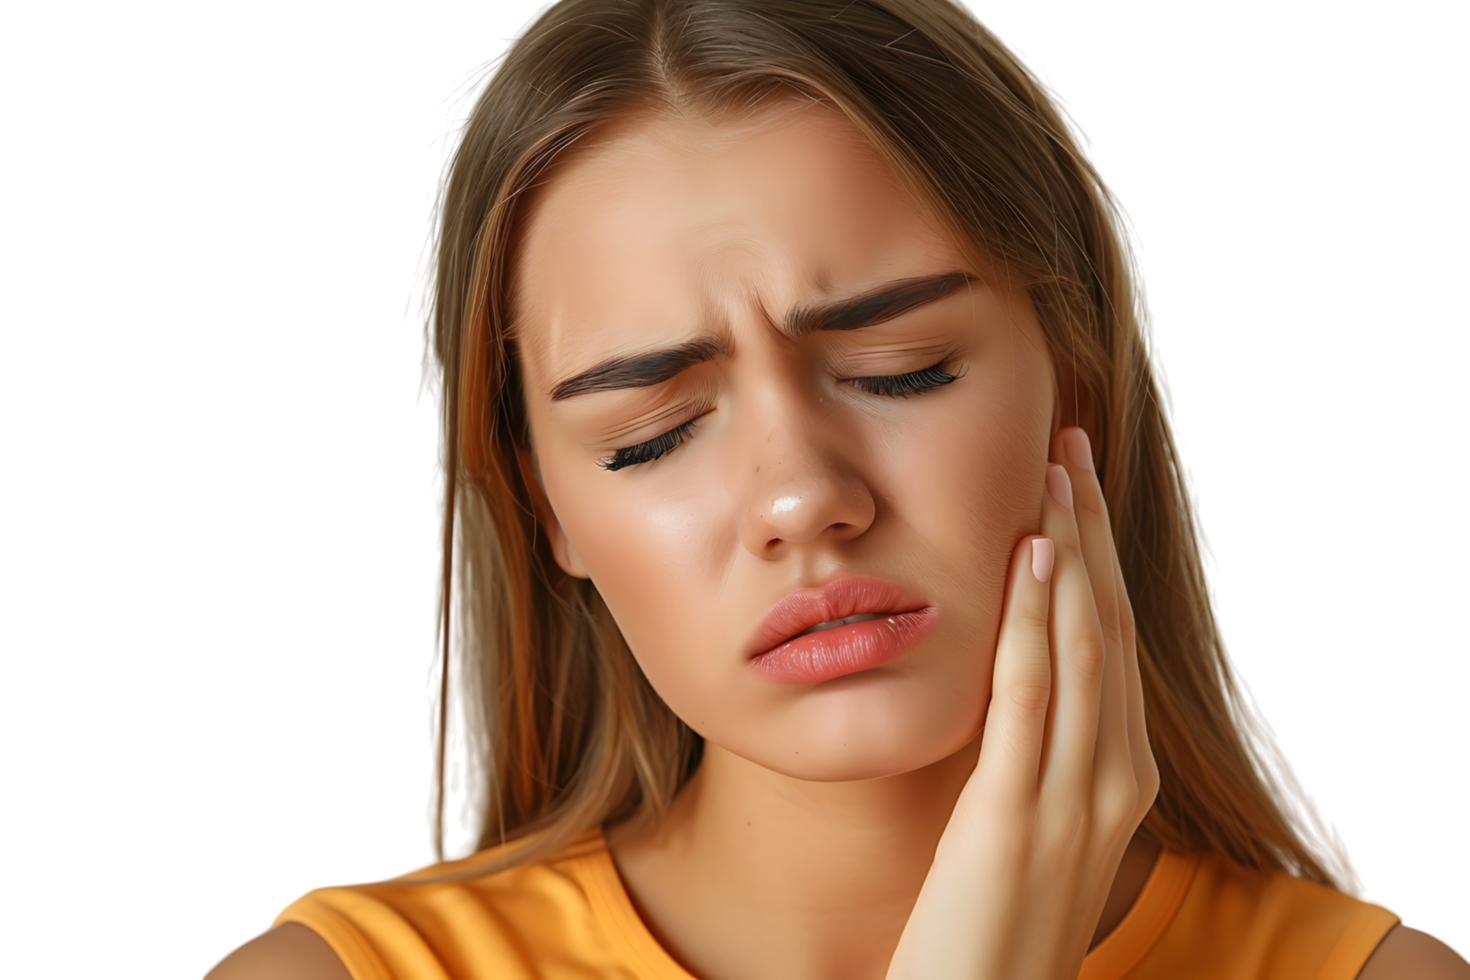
x,y
765,390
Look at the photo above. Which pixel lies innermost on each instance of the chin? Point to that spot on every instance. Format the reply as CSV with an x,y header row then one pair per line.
x,y
869,725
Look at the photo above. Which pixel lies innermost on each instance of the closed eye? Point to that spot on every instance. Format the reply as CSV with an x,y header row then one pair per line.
x,y
887,385
903,385
649,450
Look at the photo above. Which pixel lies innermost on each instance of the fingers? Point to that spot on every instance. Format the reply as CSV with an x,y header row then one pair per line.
x,y
1015,725
1122,740
1072,449
1079,649
1067,700
1141,752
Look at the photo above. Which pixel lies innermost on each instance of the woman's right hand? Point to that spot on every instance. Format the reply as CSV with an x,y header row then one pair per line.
x,y
1065,774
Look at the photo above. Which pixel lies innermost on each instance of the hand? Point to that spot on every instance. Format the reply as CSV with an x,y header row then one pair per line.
x,y
1065,773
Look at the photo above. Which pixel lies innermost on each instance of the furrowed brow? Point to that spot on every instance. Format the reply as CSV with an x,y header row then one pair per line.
x,y
877,306
640,370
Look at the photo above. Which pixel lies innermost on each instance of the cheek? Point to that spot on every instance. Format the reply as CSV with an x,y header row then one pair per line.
x,y
965,488
970,482
655,557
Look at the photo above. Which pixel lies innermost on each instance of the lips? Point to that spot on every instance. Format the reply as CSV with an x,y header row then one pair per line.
x,y
853,595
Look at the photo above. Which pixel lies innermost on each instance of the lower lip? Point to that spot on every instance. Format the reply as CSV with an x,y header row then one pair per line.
x,y
845,650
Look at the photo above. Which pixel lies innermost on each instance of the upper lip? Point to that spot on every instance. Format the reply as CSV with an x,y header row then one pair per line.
x,y
852,595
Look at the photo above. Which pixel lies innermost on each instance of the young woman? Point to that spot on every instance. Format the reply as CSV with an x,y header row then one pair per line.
x,y
825,590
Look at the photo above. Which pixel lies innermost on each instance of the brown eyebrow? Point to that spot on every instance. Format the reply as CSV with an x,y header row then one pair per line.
x,y
641,370
873,307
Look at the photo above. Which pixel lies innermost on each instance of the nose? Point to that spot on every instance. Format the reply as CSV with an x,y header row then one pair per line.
x,y
805,493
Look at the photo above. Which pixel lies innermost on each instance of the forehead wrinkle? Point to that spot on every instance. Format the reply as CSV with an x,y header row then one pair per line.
x,y
738,276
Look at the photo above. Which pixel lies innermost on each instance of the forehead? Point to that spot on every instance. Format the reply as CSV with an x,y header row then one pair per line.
x,y
661,226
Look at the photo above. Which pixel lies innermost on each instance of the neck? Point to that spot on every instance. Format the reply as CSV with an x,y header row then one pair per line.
x,y
855,852
825,874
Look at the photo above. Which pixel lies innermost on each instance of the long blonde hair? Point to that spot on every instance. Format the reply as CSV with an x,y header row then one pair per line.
x,y
562,728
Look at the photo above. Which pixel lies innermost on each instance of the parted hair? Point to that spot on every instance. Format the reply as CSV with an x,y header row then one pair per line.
x,y
561,731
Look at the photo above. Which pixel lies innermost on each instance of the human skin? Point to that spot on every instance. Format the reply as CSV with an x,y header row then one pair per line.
x,y
861,826
658,234
815,815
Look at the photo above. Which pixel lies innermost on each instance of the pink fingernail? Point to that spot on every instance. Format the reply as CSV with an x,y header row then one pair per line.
x,y
1059,485
1043,553
1079,448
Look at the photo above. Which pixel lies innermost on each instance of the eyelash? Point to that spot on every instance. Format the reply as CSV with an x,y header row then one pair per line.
x,y
903,385
647,452
886,385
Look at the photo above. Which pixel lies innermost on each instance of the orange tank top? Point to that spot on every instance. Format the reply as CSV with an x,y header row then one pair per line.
x,y
568,917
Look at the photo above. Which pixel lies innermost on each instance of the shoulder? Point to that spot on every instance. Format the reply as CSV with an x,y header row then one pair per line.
x,y
491,915
1267,924
288,952
1408,952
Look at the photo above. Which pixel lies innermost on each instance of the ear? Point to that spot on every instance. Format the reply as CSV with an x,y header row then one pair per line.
x,y
562,549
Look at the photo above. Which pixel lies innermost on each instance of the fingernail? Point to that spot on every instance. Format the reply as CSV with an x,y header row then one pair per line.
x,y
1079,448
1043,553
1059,485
